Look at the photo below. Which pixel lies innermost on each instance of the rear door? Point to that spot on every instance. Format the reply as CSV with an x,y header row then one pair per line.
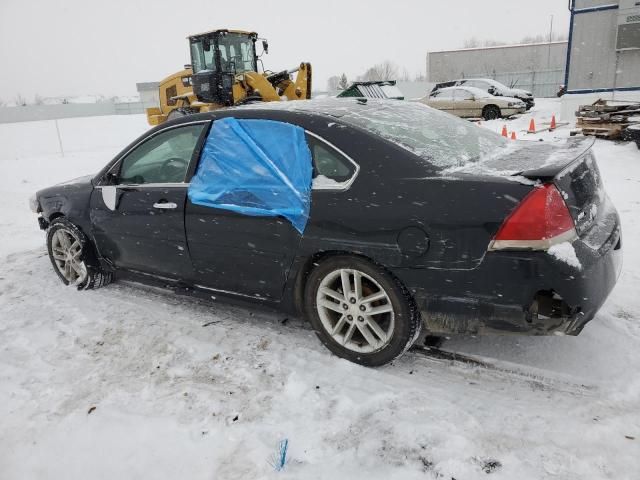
x,y
138,216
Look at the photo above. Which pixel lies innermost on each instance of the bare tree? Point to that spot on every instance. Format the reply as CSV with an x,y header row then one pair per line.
x,y
20,101
473,42
382,71
332,83
38,100
344,82
420,77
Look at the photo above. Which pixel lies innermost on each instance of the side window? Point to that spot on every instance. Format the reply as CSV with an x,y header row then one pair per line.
x,y
330,167
463,94
445,95
164,158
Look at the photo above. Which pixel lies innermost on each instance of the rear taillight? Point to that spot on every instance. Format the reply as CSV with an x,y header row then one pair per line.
x,y
541,220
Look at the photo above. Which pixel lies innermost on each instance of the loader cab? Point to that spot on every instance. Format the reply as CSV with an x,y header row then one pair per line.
x,y
216,58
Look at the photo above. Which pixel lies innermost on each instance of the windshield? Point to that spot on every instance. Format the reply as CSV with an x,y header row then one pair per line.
x,y
442,139
237,53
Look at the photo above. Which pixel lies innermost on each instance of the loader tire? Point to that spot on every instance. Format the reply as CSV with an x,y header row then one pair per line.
x,y
181,112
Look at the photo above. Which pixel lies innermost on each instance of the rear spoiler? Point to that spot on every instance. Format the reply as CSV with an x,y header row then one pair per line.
x,y
561,159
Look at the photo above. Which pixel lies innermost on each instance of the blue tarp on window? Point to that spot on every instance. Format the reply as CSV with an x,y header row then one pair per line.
x,y
255,167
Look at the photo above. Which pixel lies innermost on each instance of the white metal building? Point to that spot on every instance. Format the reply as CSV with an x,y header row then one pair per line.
x,y
149,95
603,58
538,67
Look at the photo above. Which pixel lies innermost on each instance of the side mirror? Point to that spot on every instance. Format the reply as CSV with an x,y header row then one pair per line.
x,y
491,90
265,46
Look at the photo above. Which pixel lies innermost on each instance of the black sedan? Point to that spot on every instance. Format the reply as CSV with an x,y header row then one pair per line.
x,y
371,218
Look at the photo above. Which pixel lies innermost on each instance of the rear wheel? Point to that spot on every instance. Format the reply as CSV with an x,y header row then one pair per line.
x,y
360,311
71,255
491,112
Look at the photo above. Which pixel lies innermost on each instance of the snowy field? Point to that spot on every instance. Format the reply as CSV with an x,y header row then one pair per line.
x,y
132,382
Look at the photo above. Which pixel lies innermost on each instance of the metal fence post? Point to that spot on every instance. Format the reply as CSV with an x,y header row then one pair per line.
x,y
59,138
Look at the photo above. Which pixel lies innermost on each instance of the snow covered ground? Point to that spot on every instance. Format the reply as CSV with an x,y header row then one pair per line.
x,y
131,382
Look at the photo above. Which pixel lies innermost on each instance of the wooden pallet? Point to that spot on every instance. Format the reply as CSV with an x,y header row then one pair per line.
x,y
609,131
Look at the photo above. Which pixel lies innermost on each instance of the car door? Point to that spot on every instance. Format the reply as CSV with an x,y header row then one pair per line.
x,y
138,209
442,100
465,104
239,253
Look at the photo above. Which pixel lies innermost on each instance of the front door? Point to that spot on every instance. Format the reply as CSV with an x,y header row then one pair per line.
x,y
138,215
465,104
243,239
241,254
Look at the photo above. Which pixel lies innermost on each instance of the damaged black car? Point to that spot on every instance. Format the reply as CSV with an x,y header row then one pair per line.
x,y
372,219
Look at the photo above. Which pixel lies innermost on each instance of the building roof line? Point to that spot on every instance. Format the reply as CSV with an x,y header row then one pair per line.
x,y
494,47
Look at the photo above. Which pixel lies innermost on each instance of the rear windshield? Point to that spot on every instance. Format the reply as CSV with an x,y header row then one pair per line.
x,y
442,139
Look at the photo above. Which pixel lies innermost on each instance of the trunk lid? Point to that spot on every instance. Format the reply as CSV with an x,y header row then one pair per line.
x,y
570,166
573,169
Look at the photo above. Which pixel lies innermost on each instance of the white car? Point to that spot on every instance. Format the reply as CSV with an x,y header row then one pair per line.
x,y
469,102
492,87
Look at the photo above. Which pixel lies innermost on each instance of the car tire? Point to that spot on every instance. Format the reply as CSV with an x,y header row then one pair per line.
x,y
181,112
491,112
348,326
632,134
72,256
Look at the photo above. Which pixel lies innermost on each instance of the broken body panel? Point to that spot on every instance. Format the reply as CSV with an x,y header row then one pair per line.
x,y
430,226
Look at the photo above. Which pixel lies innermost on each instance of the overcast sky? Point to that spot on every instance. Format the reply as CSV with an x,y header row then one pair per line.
x,y
76,47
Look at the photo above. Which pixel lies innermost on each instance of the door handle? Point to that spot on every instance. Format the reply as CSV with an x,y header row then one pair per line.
x,y
165,205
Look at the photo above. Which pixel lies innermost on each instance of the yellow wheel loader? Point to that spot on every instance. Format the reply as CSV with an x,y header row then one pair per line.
x,y
224,72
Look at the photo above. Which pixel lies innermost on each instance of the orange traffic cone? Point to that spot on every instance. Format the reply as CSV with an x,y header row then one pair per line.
x,y
513,135
552,127
532,126
504,131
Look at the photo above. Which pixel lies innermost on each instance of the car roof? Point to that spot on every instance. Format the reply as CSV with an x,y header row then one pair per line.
x,y
328,107
488,80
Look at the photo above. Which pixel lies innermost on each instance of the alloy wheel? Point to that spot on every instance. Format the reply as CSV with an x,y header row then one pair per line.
x,y
355,310
66,250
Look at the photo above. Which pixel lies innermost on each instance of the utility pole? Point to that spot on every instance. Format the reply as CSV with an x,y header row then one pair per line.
x,y
550,39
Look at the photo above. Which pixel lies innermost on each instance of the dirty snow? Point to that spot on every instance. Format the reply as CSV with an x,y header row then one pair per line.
x,y
133,382
565,253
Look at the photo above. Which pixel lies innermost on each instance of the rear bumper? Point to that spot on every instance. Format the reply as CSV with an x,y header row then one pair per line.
x,y
518,292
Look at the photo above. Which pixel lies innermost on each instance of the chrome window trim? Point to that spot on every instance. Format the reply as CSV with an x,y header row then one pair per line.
x,y
339,186
145,139
147,185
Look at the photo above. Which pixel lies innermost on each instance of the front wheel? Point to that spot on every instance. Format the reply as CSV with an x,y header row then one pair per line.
x,y
491,112
71,255
360,311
